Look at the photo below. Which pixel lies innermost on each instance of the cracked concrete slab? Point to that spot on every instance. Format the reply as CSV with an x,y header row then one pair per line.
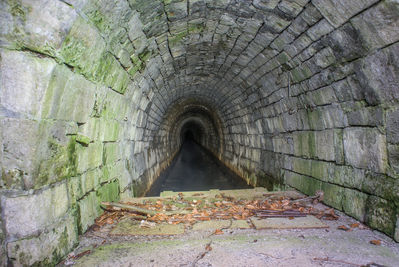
x,y
131,227
287,223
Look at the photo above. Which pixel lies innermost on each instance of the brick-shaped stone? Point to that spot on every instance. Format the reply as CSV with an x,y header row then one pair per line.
x,y
29,215
365,148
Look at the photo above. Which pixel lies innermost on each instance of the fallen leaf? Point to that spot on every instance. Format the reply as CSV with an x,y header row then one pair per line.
x,y
218,232
343,227
290,218
375,242
81,254
208,247
109,221
355,225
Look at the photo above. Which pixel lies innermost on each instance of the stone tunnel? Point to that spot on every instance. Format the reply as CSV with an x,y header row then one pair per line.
x,y
97,95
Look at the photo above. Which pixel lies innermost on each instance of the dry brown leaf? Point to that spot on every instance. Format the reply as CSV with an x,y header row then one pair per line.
x,y
375,242
355,225
343,227
109,221
208,247
81,254
218,232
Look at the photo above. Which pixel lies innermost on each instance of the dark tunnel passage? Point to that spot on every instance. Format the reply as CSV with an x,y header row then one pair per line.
x,y
194,168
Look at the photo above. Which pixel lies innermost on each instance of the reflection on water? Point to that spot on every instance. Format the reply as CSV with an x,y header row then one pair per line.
x,y
195,169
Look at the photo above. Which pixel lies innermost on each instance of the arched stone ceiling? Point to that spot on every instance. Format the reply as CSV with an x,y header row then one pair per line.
x,y
302,93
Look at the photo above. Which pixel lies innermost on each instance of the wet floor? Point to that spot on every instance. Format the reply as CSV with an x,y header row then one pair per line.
x,y
195,169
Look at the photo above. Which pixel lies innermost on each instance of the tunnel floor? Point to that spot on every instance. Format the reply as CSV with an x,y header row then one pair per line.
x,y
120,238
195,169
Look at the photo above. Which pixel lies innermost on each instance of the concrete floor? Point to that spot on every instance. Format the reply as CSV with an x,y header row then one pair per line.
x,y
195,169
200,246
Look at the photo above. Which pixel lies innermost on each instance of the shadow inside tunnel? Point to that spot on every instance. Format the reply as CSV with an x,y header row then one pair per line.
x,y
196,169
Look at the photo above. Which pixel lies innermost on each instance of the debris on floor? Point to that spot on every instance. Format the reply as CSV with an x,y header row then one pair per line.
x,y
288,210
249,227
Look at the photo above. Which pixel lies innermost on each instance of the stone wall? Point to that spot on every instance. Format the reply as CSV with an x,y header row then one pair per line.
x,y
95,96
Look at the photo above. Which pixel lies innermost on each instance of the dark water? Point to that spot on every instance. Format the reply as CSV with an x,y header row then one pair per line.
x,y
195,169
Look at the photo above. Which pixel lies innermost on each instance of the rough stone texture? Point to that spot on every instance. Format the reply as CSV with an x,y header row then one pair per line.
x,y
48,248
27,215
24,80
98,94
365,148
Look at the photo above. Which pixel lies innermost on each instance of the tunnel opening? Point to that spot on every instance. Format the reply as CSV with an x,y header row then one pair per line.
x,y
188,136
195,167
192,132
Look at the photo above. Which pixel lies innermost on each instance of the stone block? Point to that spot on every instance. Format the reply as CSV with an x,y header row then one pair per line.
x,y
354,203
90,180
114,106
265,4
24,79
125,181
381,215
28,215
346,43
325,145
368,116
290,8
111,153
88,210
382,186
339,12
84,49
333,195
378,75
329,145
39,25
68,97
176,11
112,171
342,90
393,157
47,249
282,144
314,168
305,184
83,140
379,25
365,148
393,126
108,192
112,74
75,189
346,176
320,29
101,129
89,157
35,153
322,96
18,168
55,157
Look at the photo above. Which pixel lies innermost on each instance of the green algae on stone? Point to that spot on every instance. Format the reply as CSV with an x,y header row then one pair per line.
x,y
381,215
354,204
176,39
58,164
82,139
108,192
